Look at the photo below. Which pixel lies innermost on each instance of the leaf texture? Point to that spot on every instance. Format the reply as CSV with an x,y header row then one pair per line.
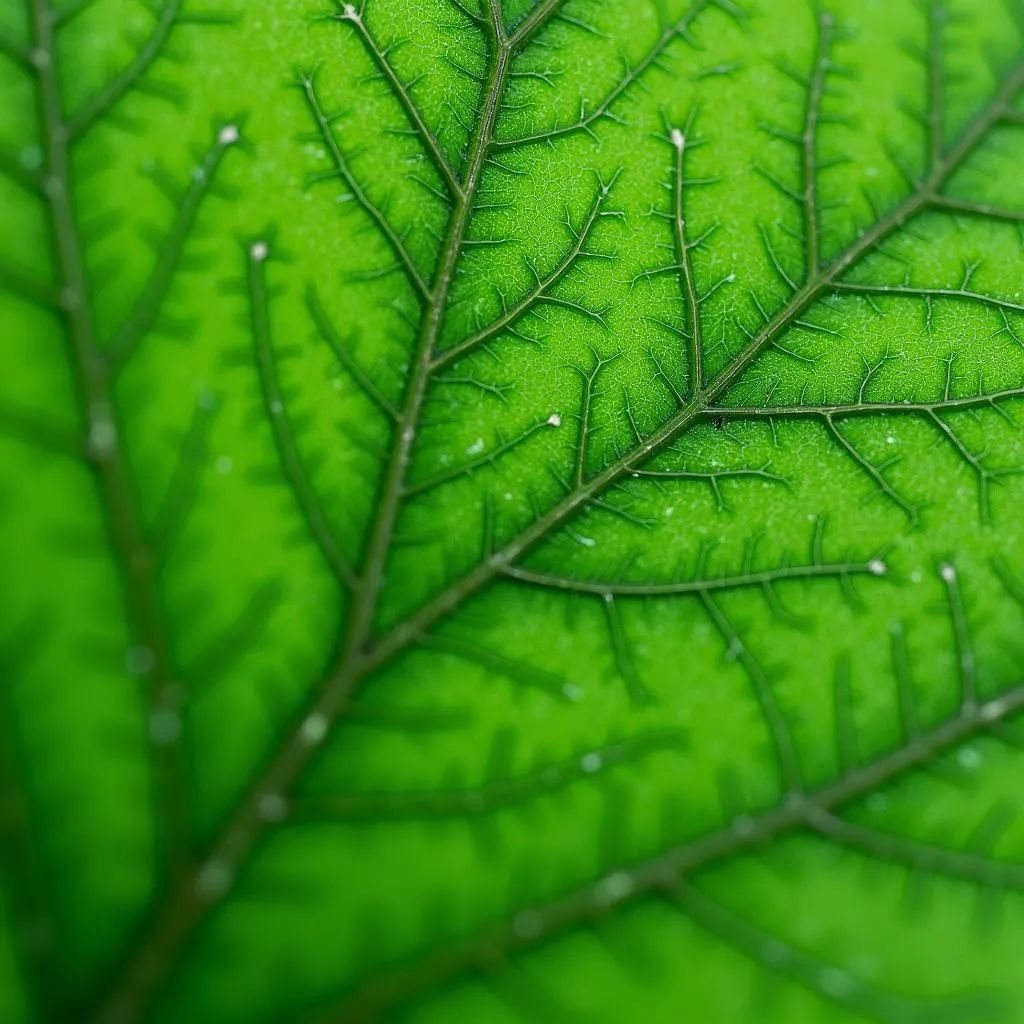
x,y
510,511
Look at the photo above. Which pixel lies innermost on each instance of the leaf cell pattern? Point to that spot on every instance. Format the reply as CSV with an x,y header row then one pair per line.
x,y
536,509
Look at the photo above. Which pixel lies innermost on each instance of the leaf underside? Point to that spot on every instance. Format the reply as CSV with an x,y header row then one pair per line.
x,y
511,511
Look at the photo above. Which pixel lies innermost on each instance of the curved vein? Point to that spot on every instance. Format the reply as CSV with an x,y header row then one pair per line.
x,y
600,588
493,795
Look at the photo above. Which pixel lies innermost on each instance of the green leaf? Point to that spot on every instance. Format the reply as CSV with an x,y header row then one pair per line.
x,y
511,512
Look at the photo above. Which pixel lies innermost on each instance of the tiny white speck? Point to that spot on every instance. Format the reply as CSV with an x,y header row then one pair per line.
x,y
259,251
508,495
877,567
224,464
993,709
587,542
669,511
554,420
969,758
476,447
835,982
678,139
614,888
102,434
313,729
349,11
890,439
948,573
228,135
214,878
272,807
591,762
408,434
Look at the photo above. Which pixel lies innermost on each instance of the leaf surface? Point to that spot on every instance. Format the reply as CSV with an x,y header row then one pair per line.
x,y
511,512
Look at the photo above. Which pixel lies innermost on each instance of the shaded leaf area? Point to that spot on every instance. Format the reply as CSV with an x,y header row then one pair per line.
x,y
503,501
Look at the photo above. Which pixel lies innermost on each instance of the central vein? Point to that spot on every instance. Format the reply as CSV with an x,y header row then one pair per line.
x,y
387,509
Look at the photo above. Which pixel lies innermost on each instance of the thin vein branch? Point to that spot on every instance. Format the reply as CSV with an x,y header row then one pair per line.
x,y
167,521
907,291
121,84
539,293
960,864
394,240
638,691
966,664
827,982
683,255
583,444
875,472
488,458
345,357
284,437
147,306
493,794
966,206
602,588
541,14
633,74
402,93
741,412
782,738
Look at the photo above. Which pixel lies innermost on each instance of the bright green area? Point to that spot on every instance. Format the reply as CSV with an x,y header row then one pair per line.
x,y
558,789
